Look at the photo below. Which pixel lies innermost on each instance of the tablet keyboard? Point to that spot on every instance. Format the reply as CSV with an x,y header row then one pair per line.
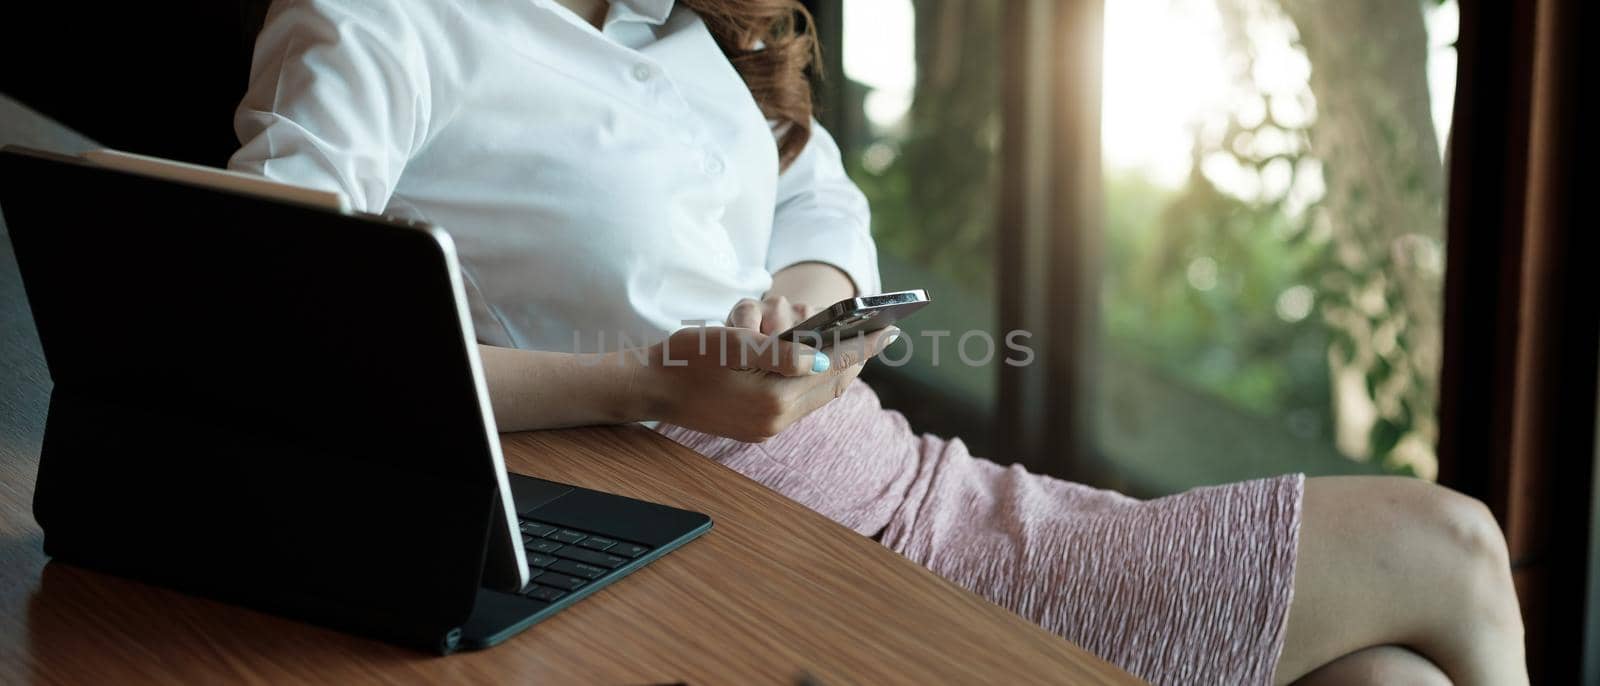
x,y
563,560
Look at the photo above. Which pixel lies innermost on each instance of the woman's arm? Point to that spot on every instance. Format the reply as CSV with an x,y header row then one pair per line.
x,y
797,292
339,99
821,250
815,285
531,389
724,381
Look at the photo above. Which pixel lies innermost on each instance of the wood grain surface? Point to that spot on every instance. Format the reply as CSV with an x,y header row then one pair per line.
x,y
772,594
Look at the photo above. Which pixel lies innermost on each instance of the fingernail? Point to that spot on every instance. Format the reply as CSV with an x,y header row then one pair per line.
x,y
889,340
820,362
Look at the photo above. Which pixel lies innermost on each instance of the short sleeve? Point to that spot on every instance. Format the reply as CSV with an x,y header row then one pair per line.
x,y
338,98
821,216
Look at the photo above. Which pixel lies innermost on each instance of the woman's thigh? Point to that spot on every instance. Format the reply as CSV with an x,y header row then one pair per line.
x,y
851,460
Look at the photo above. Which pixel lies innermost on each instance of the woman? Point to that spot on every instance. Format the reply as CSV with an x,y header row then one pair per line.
x,y
611,171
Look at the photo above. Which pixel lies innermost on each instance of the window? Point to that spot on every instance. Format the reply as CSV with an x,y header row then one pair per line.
x,y
1224,222
913,98
1273,239
1267,254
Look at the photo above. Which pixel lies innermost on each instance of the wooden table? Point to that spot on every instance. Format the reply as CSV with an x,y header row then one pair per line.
x,y
772,593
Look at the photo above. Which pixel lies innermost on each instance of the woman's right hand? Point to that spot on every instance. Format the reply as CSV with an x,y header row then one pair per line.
x,y
743,384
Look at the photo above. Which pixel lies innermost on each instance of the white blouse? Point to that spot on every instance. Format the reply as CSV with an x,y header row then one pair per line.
x,y
596,182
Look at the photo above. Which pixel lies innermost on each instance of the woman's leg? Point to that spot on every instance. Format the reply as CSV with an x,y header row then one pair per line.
x,y
1380,666
1393,561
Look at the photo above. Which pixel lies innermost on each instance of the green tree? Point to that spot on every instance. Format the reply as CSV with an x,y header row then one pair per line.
x,y
1374,140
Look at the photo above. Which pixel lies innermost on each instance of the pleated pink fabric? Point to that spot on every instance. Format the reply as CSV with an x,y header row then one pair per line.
x,y
1192,588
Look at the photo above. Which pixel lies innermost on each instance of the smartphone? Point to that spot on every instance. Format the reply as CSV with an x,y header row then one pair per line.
x,y
856,317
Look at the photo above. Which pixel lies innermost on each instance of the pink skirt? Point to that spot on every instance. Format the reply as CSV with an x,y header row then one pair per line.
x,y
1192,588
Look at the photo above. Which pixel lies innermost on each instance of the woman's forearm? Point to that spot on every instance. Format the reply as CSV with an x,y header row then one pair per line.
x,y
816,284
532,389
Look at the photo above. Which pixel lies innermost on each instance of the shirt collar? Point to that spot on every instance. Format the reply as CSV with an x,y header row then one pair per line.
x,y
648,11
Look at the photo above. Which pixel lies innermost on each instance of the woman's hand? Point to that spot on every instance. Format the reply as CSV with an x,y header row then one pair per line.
x,y
744,384
771,315
798,291
704,387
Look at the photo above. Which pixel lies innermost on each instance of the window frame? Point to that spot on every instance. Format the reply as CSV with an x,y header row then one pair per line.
x,y
1049,226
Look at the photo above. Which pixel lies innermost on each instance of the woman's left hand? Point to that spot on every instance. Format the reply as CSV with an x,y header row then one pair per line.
x,y
771,315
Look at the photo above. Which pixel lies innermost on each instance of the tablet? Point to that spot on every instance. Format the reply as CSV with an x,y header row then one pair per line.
x,y
284,260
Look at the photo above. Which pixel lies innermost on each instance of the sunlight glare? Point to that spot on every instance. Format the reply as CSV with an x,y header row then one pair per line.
x,y
879,37
1444,27
1169,76
1165,70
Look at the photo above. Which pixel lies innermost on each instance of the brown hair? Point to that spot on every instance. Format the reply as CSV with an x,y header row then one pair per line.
x,y
775,73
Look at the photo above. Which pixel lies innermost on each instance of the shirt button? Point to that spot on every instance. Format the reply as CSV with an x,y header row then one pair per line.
x,y
714,165
642,72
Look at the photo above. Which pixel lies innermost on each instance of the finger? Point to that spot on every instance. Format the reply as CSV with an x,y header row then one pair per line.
x,y
777,315
855,350
810,394
845,363
830,387
746,314
752,350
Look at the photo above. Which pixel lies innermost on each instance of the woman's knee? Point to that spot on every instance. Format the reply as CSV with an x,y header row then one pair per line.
x,y
1468,527
1402,562
1395,666
1413,520
1377,666
1413,537
1457,540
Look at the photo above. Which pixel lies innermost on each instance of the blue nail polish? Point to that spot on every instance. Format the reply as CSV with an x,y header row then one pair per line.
x,y
820,363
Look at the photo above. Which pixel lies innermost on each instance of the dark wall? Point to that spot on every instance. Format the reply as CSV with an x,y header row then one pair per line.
x,y
160,78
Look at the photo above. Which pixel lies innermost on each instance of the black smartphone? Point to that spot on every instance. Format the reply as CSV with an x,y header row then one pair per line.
x,y
856,317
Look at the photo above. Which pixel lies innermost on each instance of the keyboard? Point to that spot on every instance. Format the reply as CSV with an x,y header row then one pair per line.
x,y
563,561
